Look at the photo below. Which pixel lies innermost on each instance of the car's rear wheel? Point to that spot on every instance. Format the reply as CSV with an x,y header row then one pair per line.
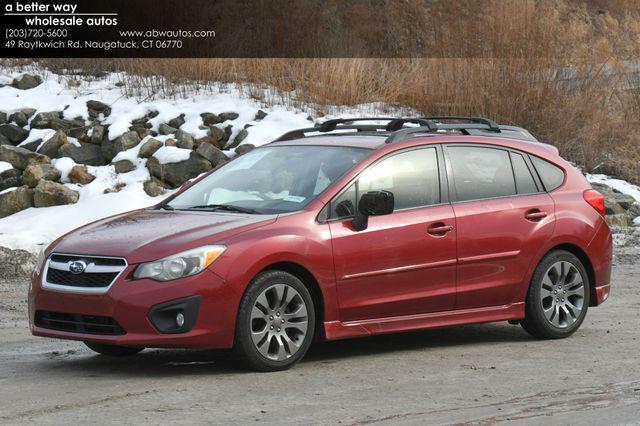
x,y
558,296
113,350
276,322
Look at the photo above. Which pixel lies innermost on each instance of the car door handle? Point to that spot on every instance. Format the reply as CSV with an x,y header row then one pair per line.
x,y
535,215
439,229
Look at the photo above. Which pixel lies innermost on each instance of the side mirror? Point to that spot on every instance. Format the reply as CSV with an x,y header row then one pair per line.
x,y
372,203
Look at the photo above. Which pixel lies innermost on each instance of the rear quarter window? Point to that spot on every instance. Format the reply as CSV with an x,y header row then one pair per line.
x,y
551,175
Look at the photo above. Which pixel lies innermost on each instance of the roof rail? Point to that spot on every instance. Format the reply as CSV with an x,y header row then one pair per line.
x,y
393,125
396,131
492,125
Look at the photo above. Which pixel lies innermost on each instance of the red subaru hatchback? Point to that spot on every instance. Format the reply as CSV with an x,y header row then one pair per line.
x,y
342,230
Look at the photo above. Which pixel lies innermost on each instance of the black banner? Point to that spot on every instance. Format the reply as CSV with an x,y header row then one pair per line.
x,y
211,28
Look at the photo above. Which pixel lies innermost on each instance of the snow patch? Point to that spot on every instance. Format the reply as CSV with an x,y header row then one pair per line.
x,y
5,166
172,154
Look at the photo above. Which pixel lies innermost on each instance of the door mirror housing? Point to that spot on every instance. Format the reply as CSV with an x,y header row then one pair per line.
x,y
372,203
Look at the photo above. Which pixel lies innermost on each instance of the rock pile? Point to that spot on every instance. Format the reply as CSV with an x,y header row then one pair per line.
x,y
621,208
35,182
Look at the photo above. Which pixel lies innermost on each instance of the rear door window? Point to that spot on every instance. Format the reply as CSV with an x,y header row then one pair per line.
x,y
525,184
480,172
551,175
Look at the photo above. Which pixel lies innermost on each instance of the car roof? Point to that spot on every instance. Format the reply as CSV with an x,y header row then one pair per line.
x,y
513,137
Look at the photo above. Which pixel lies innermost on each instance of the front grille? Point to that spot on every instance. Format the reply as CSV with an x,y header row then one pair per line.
x,y
78,323
99,274
101,261
56,276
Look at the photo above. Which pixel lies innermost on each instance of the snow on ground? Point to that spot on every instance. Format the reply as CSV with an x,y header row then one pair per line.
x,y
32,228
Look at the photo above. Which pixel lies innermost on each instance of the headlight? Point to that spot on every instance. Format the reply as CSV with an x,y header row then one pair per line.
x,y
180,265
40,260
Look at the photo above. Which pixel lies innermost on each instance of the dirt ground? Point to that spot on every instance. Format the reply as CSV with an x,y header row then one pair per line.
x,y
480,374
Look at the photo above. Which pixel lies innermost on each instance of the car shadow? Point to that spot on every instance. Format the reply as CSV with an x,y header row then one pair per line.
x,y
177,362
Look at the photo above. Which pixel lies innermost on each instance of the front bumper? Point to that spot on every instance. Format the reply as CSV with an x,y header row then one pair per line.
x,y
130,302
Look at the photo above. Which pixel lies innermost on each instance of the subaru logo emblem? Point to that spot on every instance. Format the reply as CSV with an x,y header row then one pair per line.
x,y
77,266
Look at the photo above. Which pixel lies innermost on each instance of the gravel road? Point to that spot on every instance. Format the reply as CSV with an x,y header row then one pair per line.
x,y
481,374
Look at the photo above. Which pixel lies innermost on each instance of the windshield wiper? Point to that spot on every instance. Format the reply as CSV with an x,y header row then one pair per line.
x,y
226,207
165,207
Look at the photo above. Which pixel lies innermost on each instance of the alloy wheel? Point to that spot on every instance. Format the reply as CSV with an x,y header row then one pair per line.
x,y
562,294
279,322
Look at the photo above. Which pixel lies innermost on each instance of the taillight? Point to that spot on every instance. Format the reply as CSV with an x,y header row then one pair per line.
x,y
595,200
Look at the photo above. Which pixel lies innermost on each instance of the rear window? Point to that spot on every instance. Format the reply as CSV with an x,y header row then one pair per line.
x,y
551,175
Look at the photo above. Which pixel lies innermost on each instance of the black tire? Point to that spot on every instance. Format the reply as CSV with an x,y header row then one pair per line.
x,y
112,350
244,345
536,322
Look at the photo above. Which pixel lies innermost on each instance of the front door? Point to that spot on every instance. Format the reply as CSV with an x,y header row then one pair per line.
x,y
404,263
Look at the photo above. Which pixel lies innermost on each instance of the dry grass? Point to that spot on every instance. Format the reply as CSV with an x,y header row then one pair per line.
x,y
504,59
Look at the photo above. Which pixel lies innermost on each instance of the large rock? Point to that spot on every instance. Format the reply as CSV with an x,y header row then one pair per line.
x,y
211,153
31,146
3,117
53,194
96,108
10,178
13,201
615,202
86,153
21,158
20,118
218,135
80,133
242,135
126,141
184,139
176,122
209,118
124,166
242,149
154,187
4,140
618,220
51,146
80,174
228,116
15,134
209,140
260,115
27,81
36,172
63,124
175,174
97,134
43,120
149,148
165,129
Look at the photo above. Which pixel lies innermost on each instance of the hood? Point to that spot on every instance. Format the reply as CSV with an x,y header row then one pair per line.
x,y
144,235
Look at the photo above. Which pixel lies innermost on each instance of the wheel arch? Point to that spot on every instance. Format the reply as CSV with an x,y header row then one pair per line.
x,y
586,262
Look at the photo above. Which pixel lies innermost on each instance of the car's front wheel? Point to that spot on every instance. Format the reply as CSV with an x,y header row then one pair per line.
x,y
276,322
112,350
558,296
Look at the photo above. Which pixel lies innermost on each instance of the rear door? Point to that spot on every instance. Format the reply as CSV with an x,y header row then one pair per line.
x,y
403,263
502,216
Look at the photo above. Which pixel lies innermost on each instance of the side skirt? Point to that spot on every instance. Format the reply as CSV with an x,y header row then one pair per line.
x,y
335,330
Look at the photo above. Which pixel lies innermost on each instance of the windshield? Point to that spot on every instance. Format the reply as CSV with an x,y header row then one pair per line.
x,y
277,179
